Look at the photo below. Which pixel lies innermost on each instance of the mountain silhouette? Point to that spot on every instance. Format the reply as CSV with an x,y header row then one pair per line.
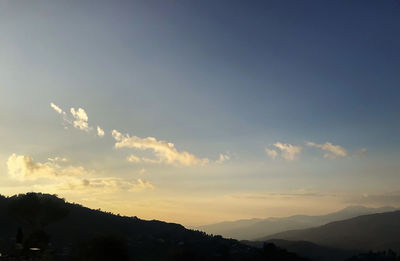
x,y
39,226
374,232
250,229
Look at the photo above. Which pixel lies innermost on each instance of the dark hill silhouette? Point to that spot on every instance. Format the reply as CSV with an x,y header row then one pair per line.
x,y
66,231
250,229
369,232
310,250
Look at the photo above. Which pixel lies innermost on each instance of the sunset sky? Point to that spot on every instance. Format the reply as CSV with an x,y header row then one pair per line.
x,y
202,111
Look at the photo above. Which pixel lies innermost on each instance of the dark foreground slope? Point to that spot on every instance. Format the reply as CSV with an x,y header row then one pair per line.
x,y
369,232
310,250
64,231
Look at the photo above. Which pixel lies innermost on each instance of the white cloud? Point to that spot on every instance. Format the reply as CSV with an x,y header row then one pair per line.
x,y
271,153
100,131
331,151
23,167
80,119
134,158
288,151
74,178
57,109
222,158
165,151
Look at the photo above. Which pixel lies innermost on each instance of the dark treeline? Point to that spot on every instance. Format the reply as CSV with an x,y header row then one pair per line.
x,y
36,226
388,255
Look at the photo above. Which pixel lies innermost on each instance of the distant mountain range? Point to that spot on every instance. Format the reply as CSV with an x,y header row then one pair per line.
x,y
250,229
368,232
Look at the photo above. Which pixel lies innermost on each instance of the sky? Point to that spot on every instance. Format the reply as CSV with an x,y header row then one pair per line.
x,y
202,111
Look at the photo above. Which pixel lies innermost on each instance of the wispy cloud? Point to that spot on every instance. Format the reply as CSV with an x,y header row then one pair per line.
x,y
133,158
112,184
57,159
163,150
271,153
222,158
331,151
361,152
293,194
57,109
287,151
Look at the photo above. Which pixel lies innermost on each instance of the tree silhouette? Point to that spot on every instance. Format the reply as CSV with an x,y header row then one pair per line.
x,y
104,247
36,209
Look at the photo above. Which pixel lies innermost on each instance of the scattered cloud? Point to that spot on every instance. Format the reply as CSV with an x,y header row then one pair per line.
x,y
23,167
163,150
80,119
100,131
77,118
271,153
287,151
223,158
142,171
331,151
57,109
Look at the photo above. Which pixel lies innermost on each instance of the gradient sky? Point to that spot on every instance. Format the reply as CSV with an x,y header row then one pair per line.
x,y
274,107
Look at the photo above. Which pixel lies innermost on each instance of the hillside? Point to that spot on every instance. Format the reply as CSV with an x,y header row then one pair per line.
x,y
250,229
64,231
369,232
310,250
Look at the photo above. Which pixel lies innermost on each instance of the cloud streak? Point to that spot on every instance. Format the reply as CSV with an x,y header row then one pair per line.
x,y
57,109
331,151
112,184
163,150
288,152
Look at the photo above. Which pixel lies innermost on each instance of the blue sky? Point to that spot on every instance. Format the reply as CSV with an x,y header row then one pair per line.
x,y
214,78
